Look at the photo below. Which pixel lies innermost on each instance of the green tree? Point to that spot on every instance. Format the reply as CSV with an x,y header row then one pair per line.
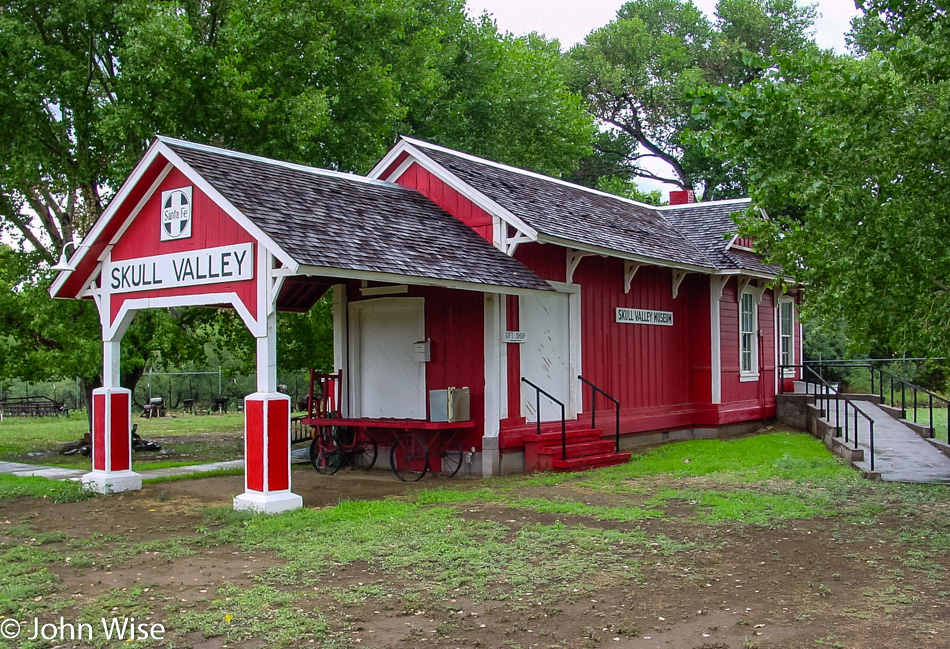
x,y
504,98
639,72
89,82
848,158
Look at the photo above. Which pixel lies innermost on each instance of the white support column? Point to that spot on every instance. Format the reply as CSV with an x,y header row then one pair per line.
x,y
340,333
716,285
491,458
502,357
267,420
112,428
111,359
267,356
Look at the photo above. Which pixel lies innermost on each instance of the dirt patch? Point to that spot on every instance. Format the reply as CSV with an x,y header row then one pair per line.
x,y
822,582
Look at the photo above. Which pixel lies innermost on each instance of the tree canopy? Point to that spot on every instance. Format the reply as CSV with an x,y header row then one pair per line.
x,y
331,84
639,72
848,156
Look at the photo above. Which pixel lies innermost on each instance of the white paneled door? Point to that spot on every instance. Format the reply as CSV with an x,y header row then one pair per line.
x,y
390,379
546,354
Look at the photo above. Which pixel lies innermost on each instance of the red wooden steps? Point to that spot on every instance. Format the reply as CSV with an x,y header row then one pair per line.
x,y
585,450
590,462
548,439
579,449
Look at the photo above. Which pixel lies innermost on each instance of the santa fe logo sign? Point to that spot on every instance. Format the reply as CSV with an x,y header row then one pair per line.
x,y
176,214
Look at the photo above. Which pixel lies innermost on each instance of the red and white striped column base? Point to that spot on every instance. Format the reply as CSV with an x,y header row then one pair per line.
x,y
267,455
112,442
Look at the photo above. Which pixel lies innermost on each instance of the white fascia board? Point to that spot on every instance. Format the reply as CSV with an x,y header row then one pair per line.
x,y
724,201
391,156
135,211
452,181
395,278
316,171
747,273
608,252
525,172
232,211
107,215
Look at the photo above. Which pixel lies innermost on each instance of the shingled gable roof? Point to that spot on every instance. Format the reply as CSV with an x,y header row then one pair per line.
x,y
710,227
566,213
335,222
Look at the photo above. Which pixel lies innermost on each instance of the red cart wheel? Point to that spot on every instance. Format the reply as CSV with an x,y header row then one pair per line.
x,y
409,458
364,451
325,456
451,457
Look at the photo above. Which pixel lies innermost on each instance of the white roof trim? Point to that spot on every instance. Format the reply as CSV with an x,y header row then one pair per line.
x,y
744,271
227,206
525,172
159,147
446,176
134,212
80,252
278,163
609,252
724,201
414,280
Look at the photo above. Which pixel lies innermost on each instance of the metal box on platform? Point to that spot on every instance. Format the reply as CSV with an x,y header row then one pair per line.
x,y
451,404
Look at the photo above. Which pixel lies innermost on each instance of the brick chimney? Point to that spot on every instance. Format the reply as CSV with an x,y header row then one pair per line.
x,y
682,197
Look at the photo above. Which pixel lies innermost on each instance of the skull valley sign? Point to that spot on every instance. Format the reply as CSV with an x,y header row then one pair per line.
x,y
193,268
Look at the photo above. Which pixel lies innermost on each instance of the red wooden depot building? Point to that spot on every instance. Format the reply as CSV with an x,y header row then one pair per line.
x,y
447,270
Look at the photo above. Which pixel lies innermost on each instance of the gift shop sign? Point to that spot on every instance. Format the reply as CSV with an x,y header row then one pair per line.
x,y
193,268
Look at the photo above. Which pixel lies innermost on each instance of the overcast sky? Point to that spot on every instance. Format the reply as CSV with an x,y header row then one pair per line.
x,y
570,21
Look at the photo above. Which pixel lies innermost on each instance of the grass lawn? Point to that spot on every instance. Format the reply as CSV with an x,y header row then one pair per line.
x,y
761,542
186,439
939,421
59,491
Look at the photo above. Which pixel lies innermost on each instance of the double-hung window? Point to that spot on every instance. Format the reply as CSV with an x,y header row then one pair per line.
x,y
785,333
748,352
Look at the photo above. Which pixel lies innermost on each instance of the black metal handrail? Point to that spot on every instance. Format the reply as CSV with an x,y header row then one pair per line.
x,y
826,395
902,383
538,392
593,409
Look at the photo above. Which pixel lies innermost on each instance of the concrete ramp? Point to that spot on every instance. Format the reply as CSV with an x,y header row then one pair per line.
x,y
901,453
903,450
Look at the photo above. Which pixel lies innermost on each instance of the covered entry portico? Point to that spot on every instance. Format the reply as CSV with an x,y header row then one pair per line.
x,y
199,226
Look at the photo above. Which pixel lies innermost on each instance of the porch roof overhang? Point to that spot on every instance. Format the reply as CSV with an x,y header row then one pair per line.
x,y
321,226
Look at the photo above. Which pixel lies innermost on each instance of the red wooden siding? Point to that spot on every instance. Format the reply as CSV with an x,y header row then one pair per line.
x,y
449,200
741,398
547,261
657,372
391,169
254,442
211,227
120,435
278,448
99,432
745,243
72,286
662,375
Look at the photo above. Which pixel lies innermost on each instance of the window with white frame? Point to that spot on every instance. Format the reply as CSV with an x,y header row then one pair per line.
x,y
747,333
786,322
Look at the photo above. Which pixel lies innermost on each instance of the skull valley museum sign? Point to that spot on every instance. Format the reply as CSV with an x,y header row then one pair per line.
x,y
644,317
